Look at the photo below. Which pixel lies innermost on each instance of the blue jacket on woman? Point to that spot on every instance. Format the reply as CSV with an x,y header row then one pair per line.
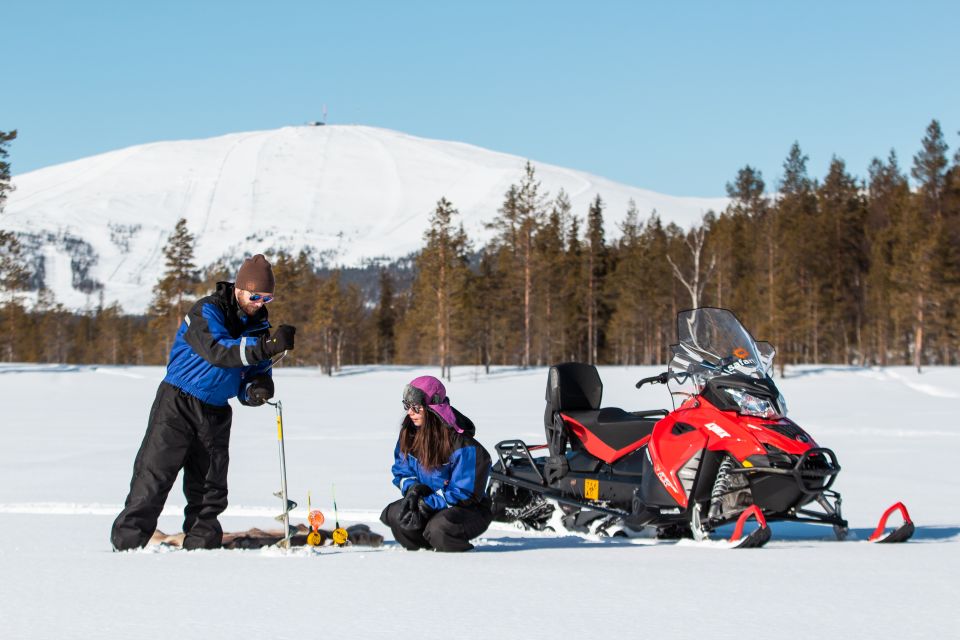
x,y
461,481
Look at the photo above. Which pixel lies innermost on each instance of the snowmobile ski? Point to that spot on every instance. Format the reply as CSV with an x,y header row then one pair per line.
x,y
901,534
757,538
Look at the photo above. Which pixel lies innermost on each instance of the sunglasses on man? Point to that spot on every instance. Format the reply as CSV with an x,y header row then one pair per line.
x,y
256,297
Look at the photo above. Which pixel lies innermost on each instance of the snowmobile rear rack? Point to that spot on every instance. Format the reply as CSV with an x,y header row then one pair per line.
x,y
552,494
517,449
512,451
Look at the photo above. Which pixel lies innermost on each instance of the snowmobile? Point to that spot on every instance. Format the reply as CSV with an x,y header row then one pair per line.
x,y
726,454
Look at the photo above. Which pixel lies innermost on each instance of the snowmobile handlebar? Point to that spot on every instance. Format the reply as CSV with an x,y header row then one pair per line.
x,y
659,379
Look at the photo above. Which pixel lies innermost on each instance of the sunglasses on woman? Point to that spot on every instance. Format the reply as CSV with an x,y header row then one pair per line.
x,y
417,408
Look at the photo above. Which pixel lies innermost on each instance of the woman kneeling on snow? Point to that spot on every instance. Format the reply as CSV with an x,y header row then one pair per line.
x,y
441,471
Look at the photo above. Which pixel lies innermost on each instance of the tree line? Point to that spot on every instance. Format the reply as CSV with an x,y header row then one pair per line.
x,y
843,269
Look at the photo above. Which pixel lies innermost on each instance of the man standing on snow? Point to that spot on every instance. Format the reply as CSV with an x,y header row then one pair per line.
x,y
223,349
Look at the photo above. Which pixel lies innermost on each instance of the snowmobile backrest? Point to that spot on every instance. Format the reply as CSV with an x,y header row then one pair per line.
x,y
573,386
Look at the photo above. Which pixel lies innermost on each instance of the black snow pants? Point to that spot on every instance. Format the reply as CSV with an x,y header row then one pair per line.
x,y
182,433
449,529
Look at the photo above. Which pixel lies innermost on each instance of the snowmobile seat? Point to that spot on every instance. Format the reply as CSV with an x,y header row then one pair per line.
x,y
574,392
609,433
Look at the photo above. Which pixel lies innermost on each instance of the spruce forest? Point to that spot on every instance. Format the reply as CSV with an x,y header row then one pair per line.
x,y
846,269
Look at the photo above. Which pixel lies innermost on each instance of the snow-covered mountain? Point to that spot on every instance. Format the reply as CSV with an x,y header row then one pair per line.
x,y
349,192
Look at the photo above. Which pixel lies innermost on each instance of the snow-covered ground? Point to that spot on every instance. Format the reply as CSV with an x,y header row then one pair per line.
x,y
69,436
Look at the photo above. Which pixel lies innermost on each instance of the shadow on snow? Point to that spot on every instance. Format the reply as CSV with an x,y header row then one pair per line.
x,y
782,532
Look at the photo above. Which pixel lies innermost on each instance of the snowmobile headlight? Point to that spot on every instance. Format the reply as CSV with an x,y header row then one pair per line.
x,y
751,405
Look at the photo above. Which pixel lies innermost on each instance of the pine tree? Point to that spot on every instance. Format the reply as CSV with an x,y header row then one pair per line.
x,y
745,243
386,319
948,257
176,285
296,285
354,324
659,289
112,335
530,207
519,221
929,169
441,279
640,289
842,213
338,328
52,334
574,343
181,275
548,255
481,324
888,196
324,326
795,320
625,289
6,137
503,250
596,269
12,273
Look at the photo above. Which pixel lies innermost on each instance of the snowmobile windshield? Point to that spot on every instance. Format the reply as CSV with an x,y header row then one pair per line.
x,y
714,342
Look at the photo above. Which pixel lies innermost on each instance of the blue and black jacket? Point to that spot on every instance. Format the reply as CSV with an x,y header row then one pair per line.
x,y
218,349
461,481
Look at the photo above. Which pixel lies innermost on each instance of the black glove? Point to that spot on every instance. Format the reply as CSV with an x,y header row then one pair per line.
x,y
280,341
414,513
259,390
418,489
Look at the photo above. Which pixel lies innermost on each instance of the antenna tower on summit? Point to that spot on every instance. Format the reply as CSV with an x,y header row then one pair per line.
x,y
321,122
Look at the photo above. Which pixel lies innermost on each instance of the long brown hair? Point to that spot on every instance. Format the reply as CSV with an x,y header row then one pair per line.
x,y
430,444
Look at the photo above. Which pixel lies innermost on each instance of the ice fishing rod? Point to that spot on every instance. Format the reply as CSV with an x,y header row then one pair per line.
x,y
288,505
339,534
315,518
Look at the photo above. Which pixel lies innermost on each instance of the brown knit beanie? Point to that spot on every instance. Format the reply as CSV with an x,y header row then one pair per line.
x,y
255,274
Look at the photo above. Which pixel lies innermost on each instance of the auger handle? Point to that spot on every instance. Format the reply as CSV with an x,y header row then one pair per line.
x,y
283,474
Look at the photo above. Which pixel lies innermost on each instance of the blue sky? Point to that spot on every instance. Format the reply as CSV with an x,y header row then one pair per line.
x,y
671,98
